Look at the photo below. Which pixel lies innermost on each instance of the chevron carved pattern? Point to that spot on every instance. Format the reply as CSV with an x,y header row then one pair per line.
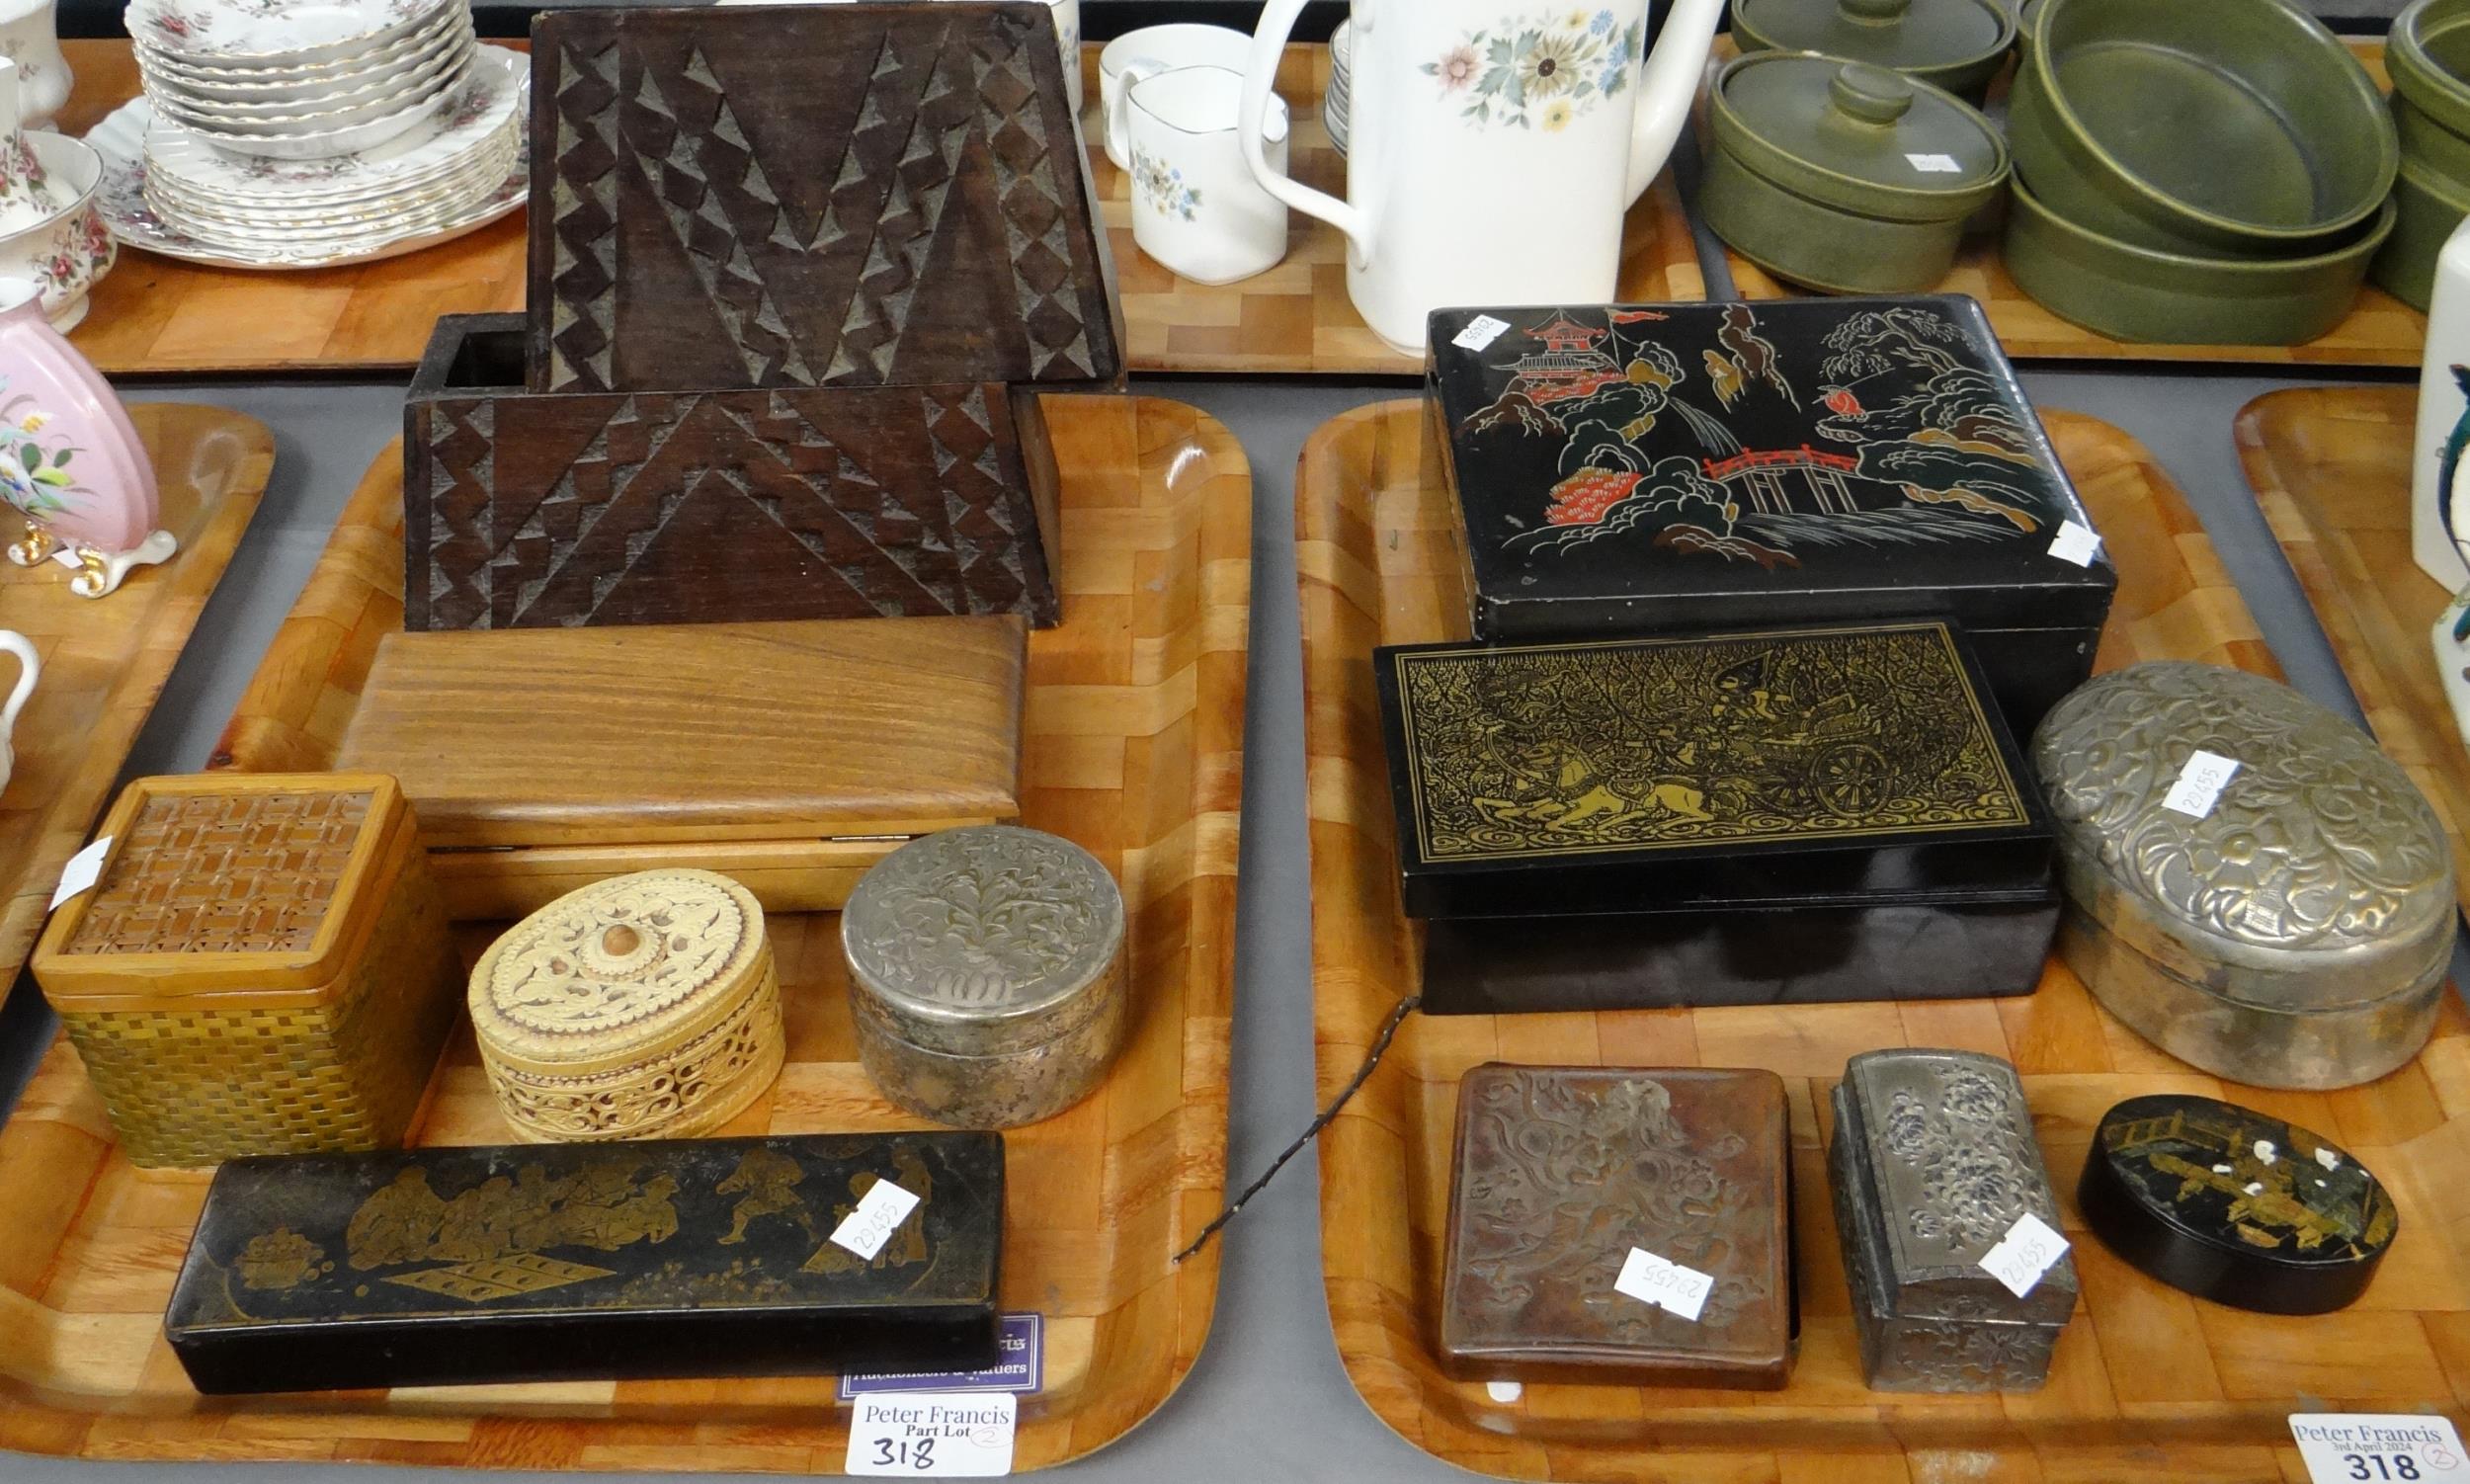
x,y
613,508
906,205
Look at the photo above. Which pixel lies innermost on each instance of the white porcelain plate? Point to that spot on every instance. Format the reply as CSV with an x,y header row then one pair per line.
x,y
156,65
274,32
491,97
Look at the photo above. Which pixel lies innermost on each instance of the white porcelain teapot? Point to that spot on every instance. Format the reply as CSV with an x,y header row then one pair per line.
x,y
1495,145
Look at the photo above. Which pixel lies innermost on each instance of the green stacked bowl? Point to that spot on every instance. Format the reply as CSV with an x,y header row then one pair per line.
x,y
2200,171
2428,58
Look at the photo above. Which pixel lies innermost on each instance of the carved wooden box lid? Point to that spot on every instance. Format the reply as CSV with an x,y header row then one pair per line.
x,y
253,888
1562,1170
1940,1147
2320,879
810,195
611,975
984,941
856,728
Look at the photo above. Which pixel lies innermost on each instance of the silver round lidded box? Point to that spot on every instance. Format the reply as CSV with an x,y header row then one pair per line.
x,y
2295,933
986,976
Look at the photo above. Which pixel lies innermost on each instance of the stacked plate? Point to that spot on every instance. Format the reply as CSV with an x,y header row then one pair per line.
x,y
300,79
342,170
1337,103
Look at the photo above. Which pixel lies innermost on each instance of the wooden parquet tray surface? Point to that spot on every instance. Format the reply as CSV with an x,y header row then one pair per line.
x,y
2148,1383
2331,466
2381,330
1133,747
105,660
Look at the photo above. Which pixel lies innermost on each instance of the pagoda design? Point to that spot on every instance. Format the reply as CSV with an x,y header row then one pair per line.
x,y
1569,366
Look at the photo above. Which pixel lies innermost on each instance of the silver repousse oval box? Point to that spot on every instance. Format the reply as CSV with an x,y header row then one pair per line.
x,y
986,974
1931,1164
2295,935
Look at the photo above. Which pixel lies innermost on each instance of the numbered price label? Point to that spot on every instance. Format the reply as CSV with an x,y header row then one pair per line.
x,y
923,1434
2024,1254
880,1213
2364,1447
2200,784
1668,1286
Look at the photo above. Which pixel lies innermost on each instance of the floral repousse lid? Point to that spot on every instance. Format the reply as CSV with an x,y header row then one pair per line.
x,y
2320,878
620,970
984,941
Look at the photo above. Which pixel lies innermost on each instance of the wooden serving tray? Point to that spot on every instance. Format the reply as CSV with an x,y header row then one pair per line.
x,y
105,659
2331,466
2147,1381
2381,330
1135,748
155,314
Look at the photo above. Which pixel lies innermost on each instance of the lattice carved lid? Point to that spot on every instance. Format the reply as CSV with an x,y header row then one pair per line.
x,y
618,972
227,882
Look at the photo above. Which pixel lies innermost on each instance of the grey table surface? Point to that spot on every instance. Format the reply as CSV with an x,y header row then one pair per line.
x,y
1268,1398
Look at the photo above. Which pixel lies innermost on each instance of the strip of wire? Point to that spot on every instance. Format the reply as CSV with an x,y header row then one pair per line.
x,y
1381,1048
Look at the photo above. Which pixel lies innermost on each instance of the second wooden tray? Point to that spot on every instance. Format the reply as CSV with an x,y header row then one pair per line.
x,y
2147,1383
1133,747
2331,466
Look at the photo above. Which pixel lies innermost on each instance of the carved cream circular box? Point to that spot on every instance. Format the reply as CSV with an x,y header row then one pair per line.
x,y
646,1006
2296,933
986,976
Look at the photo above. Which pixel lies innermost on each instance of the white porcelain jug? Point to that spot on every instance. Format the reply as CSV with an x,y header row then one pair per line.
x,y
1493,145
2439,512
30,37
29,670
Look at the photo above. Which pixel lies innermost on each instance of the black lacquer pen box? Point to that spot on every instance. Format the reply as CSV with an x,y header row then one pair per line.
x,y
1781,815
1652,468
568,1262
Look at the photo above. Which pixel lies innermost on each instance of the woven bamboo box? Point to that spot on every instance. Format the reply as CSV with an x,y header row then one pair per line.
x,y
264,967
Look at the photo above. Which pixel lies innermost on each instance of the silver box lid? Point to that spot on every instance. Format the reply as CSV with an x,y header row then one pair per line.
x,y
1941,1144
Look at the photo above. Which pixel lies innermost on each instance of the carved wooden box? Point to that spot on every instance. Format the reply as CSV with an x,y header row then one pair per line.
x,y
264,967
1712,819
787,756
1932,1162
571,1262
528,511
1561,1172
810,195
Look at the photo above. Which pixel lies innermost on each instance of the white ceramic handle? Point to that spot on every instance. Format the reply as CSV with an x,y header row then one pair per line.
x,y
1120,112
1269,46
1668,87
29,669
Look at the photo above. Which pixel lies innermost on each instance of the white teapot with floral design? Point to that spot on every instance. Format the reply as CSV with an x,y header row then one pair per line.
x,y
1495,145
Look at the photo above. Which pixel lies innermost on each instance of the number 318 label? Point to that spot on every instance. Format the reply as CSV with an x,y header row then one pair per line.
x,y
928,1435
2342,1447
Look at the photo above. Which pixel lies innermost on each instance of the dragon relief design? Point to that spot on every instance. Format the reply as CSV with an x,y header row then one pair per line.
x,y
1563,1175
1559,749
2319,842
1920,445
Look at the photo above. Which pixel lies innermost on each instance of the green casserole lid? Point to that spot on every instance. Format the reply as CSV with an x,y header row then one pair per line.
x,y
1857,136
2427,55
1905,35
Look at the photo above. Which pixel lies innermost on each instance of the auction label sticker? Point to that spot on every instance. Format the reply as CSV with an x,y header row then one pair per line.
x,y
2076,542
2347,1447
82,870
2200,784
1480,333
2024,1254
878,1214
1665,1284
1020,1369
930,1435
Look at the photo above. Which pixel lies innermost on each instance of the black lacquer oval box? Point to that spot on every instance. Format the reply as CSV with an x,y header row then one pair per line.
x,y
2235,1206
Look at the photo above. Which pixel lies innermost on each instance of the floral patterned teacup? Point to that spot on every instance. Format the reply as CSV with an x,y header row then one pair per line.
x,y
68,248
1196,207
1152,49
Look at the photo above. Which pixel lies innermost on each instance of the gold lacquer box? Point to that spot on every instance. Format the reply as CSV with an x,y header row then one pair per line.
x,y
264,967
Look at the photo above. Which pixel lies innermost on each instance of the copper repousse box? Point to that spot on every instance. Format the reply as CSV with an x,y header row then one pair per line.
x,y
1562,1170
263,968
1932,1162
